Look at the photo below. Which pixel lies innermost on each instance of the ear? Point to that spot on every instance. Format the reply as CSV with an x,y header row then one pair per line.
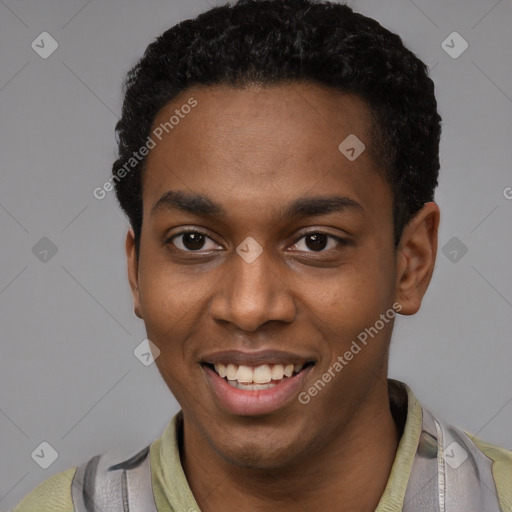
x,y
133,271
416,257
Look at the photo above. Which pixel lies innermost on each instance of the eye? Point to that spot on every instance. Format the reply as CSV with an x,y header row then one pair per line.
x,y
192,241
316,241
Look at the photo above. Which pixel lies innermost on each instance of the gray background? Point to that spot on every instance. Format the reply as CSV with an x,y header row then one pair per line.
x,y
68,375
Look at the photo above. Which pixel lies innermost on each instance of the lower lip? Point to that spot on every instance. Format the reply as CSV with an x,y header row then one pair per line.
x,y
254,402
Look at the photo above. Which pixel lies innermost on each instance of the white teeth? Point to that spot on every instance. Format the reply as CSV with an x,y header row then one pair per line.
x,y
277,372
259,375
231,371
288,370
262,374
244,374
221,369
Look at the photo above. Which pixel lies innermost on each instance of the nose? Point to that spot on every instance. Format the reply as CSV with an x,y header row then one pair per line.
x,y
252,294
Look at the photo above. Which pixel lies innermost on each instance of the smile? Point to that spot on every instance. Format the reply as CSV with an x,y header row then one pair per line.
x,y
260,377
263,387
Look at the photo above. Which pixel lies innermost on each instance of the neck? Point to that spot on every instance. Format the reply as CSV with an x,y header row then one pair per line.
x,y
351,470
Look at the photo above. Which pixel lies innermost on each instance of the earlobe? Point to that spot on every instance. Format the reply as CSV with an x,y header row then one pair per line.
x,y
416,256
133,271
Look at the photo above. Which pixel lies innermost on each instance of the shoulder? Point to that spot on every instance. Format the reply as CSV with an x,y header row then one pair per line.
x,y
489,467
501,468
111,477
52,495
495,453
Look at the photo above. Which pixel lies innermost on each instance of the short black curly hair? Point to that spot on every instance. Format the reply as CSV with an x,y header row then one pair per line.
x,y
277,41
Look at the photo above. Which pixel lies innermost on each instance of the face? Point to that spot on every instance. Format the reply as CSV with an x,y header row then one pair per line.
x,y
265,252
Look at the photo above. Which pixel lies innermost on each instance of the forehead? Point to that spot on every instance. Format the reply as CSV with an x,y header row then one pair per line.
x,y
261,141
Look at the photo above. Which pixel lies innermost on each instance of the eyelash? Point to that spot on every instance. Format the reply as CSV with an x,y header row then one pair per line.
x,y
341,241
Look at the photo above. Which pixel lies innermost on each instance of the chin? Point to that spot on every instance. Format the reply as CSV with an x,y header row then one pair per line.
x,y
268,454
257,458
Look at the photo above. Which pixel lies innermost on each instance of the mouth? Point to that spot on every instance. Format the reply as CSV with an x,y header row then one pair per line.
x,y
256,378
255,383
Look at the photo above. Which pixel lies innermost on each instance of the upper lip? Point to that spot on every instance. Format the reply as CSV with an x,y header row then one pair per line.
x,y
255,358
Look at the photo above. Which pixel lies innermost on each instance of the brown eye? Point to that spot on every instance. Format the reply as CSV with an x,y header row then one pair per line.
x,y
318,242
191,241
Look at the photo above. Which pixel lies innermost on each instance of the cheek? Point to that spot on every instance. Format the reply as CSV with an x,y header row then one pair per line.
x,y
168,294
170,307
355,295
349,303
169,304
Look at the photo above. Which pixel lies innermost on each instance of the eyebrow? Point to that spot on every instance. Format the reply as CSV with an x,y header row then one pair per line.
x,y
201,205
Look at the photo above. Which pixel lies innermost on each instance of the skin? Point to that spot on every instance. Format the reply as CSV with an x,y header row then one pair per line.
x,y
252,151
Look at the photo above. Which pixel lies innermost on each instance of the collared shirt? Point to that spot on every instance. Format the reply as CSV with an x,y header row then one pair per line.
x,y
408,478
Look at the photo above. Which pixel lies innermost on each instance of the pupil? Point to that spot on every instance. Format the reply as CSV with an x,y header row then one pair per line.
x,y
193,240
319,241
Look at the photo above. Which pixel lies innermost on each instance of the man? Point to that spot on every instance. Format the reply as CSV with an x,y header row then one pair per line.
x,y
277,163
